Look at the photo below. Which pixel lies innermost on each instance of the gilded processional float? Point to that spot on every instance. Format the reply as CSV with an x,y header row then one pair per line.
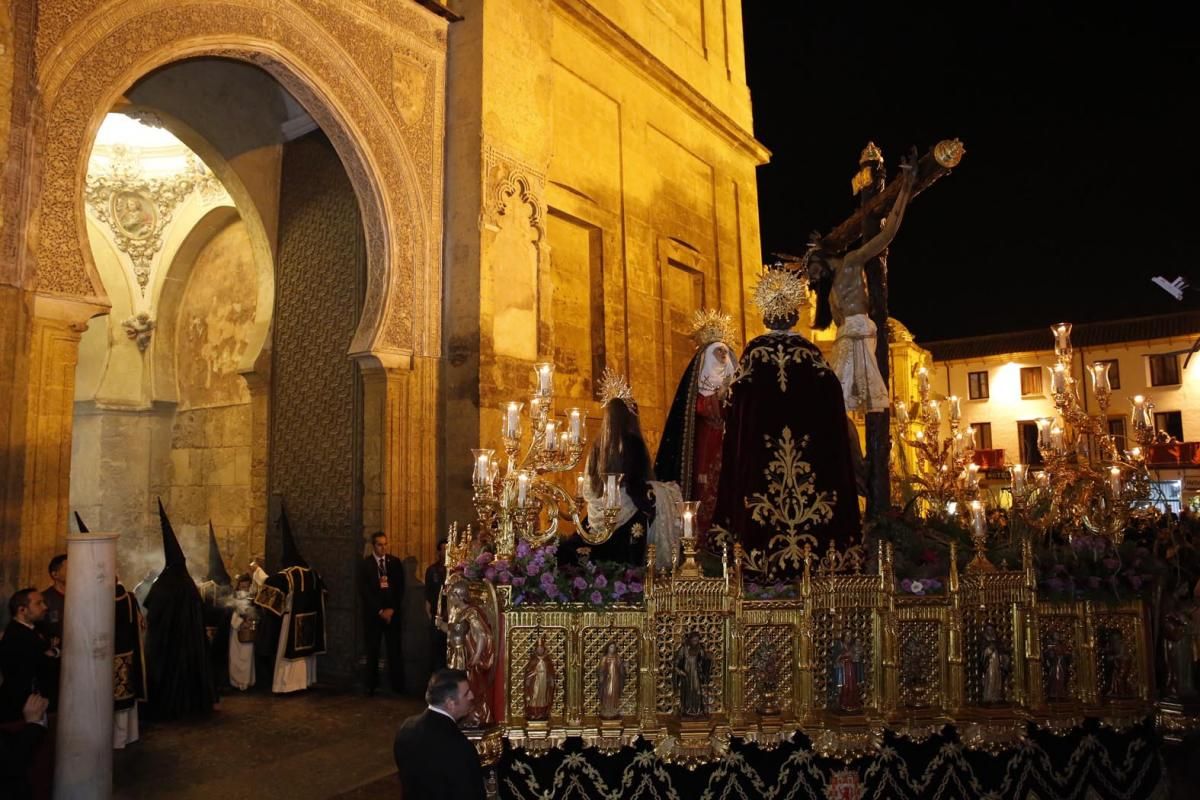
x,y
957,648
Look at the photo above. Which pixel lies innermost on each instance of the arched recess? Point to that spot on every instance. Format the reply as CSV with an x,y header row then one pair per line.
x,y
171,295
107,50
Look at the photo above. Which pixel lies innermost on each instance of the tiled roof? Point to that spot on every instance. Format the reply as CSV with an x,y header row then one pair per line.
x,y
1092,334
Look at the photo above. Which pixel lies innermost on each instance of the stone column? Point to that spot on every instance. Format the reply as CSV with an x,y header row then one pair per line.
x,y
83,763
58,324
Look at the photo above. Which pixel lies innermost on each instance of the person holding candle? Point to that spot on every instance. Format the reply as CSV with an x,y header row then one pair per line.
x,y
787,475
690,450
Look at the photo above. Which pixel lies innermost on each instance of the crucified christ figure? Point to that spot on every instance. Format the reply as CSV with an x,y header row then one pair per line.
x,y
841,287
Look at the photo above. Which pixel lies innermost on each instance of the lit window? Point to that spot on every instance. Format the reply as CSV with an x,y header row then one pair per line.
x,y
1164,369
1031,381
977,385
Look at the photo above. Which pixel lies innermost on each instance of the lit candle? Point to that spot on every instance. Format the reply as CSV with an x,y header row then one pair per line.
x,y
955,408
575,427
920,436
978,519
611,499
1148,416
1135,453
1018,478
688,516
935,412
1114,480
958,443
972,475
564,441
482,472
970,438
522,488
512,420
1100,382
545,376
1043,478
551,436
902,413
1043,424
1138,416
1062,338
1058,379
1056,439
923,382
579,479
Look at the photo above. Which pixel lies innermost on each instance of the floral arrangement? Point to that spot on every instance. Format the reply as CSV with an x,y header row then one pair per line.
x,y
536,576
1093,568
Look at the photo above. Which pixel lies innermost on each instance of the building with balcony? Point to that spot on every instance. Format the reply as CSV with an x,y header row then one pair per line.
x,y
1003,383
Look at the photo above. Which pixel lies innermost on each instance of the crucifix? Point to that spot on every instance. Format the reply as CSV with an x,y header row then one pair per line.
x,y
851,286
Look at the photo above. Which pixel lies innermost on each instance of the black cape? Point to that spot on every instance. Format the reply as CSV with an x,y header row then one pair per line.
x,y
675,459
177,658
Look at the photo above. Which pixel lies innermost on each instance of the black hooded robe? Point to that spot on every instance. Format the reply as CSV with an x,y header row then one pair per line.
x,y
177,660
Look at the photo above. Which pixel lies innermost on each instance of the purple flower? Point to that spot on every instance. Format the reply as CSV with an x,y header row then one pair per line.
x,y
635,587
534,568
906,585
489,573
579,583
1111,563
596,598
547,579
518,580
523,549
600,582
504,576
483,558
619,588
1135,582
520,598
550,550
753,588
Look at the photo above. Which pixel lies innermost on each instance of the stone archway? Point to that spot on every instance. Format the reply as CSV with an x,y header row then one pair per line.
x,y
375,83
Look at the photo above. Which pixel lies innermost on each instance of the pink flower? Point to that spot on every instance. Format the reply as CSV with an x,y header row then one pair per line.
x,y
579,583
600,582
635,587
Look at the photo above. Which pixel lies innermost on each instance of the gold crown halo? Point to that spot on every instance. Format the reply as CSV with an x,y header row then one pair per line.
x,y
710,325
779,293
614,387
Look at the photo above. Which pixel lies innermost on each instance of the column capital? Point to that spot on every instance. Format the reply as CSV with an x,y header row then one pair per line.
x,y
72,312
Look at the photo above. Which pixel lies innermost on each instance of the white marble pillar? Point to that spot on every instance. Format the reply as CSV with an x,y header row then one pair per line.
x,y
83,762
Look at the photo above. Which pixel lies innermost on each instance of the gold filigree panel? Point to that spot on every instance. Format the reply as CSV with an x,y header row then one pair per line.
x,y
1118,657
335,59
988,625
1058,642
595,643
830,630
521,642
779,643
670,630
920,663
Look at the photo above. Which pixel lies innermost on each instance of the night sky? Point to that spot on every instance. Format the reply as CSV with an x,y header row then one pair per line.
x,y
1080,178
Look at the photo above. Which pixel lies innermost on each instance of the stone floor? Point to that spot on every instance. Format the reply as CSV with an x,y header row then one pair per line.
x,y
309,746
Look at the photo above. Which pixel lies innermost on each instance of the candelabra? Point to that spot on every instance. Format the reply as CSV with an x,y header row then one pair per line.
x,y
521,501
1087,484
946,476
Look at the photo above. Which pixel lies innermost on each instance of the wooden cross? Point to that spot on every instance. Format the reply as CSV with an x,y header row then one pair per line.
x,y
875,200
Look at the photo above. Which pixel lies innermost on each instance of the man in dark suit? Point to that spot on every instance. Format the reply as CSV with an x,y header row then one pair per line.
x,y
382,587
27,660
436,761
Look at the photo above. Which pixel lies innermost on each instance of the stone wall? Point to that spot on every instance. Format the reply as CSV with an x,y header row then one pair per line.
x,y
617,188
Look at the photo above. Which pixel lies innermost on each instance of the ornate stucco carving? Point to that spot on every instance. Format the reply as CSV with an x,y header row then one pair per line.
x,y
137,209
138,328
507,179
336,58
